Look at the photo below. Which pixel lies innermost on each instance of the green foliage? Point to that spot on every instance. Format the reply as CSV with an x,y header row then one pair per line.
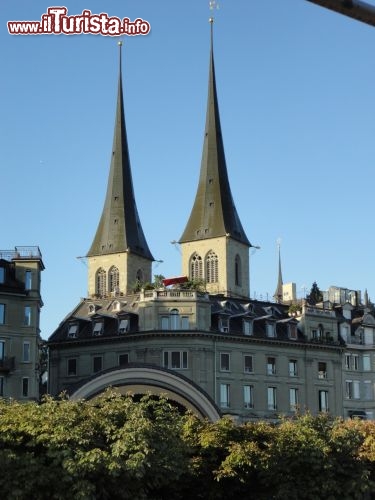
x,y
315,294
114,447
199,285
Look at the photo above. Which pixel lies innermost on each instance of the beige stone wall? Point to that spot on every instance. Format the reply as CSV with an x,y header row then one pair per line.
x,y
226,249
204,352
128,265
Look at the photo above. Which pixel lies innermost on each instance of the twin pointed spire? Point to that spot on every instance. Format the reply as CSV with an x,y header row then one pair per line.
x,y
119,229
214,213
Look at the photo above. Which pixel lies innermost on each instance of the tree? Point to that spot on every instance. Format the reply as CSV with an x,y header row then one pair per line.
x,y
315,294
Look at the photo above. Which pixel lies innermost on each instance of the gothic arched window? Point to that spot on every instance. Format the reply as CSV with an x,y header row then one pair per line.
x,y
114,279
196,267
212,268
101,282
139,276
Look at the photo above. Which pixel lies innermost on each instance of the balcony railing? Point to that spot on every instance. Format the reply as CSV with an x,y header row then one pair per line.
x,y
171,294
21,253
7,364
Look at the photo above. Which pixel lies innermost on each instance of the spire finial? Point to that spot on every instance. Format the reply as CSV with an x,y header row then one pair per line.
x,y
119,43
213,4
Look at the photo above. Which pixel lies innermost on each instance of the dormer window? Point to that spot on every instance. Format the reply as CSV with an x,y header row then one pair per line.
x,y
293,331
224,325
247,327
98,328
72,332
92,309
270,330
116,306
2,275
123,326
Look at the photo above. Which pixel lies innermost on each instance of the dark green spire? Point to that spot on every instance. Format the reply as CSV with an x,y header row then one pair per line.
x,y
278,295
214,213
119,229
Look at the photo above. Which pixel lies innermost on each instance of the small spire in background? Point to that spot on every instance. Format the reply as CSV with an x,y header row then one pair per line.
x,y
278,295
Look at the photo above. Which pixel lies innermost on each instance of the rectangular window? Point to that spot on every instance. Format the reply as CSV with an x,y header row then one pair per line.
x,y
270,330
123,359
293,368
1,386
317,334
98,328
97,364
224,362
27,320
293,399
322,369
355,362
2,314
271,398
366,360
72,332
224,325
25,387
248,364
165,322
72,366
28,280
248,396
224,395
271,366
184,323
247,327
367,390
26,352
293,332
352,389
123,326
351,362
2,350
323,401
2,275
176,359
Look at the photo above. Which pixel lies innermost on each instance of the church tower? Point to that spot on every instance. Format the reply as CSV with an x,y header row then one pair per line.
x,y
119,256
214,245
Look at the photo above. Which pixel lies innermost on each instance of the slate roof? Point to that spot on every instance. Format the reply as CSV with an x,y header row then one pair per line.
x,y
214,213
119,228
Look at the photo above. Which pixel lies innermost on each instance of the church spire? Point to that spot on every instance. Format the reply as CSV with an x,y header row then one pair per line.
x,y
214,213
119,228
278,295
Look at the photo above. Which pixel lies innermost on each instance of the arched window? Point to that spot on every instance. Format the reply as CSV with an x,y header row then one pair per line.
x,y
174,319
139,276
196,267
212,265
114,279
237,270
101,282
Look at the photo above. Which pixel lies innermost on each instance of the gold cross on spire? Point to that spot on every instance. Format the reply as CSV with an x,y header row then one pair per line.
x,y
213,4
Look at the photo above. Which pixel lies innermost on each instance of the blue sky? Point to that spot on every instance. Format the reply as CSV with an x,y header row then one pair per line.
x,y
296,96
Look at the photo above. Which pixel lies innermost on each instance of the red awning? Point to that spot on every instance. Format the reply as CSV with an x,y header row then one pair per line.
x,y
175,280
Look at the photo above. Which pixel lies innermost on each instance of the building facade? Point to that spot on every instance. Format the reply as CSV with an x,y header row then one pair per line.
x,y
200,340
20,304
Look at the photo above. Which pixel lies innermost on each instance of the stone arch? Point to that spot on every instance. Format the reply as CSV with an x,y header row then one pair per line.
x,y
142,379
